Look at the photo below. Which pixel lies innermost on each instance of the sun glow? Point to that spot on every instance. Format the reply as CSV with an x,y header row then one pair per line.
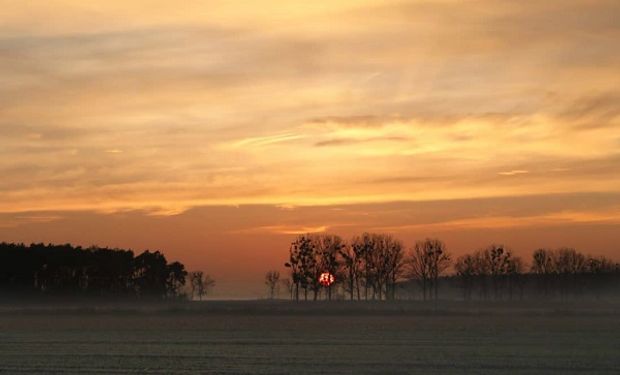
x,y
326,279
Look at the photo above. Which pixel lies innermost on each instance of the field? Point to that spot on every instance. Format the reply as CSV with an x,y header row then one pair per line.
x,y
284,338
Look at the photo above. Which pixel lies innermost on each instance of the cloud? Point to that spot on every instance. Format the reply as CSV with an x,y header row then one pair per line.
x,y
283,229
327,103
353,141
594,111
348,121
513,172
559,218
267,140
14,221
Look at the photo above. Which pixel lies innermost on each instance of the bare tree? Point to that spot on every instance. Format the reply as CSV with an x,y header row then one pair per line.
x,y
498,260
200,284
467,271
387,263
351,261
514,272
600,272
301,262
569,264
427,261
395,261
362,248
327,247
543,269
374,260
196,279
288,286
271,280
209,283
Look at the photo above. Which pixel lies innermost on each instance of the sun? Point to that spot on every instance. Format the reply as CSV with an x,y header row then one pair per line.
x,y
326,279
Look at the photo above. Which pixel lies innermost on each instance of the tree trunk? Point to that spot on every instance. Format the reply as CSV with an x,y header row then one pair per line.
x,y
351,283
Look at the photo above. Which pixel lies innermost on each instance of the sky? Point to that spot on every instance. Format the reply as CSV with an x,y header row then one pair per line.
x,y
218,131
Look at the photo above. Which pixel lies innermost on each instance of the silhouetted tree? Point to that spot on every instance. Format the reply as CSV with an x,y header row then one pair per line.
x,y
196,283
466,268
569,264
301,263
288,286
362,248
498,262
94,271
175,280
151,274
386,263
516,281
200,284
543,269
351,268
601,273
326,249
271,280
209,284
426,263
374,263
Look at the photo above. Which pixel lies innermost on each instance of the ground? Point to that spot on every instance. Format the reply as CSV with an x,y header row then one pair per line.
x,y
285,338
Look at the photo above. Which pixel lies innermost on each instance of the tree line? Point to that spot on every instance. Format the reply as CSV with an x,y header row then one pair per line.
x,y
37,269
376,266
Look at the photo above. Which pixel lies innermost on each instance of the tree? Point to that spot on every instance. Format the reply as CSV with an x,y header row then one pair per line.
x,y
394,264
362,248
515,271
498,261
326,249
543,269
271,280
151,274
427,262
386,264
570,265
301,262
466,270
93,271
288,286
196,282
351,261
176,279
601,272
209,283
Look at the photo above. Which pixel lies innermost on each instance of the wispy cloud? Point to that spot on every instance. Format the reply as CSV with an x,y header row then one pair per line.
x,y
306,105
267,140
559,218
513,172
353,141
283,229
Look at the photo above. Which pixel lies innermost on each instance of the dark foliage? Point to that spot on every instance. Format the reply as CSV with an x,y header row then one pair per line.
x,y
99,272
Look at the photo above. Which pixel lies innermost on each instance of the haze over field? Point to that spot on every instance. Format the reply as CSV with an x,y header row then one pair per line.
x,y
217,132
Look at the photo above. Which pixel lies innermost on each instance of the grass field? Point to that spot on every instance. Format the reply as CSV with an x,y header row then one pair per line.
x,y
284,338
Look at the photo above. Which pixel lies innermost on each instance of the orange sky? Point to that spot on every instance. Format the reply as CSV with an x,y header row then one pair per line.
x,y
217,131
